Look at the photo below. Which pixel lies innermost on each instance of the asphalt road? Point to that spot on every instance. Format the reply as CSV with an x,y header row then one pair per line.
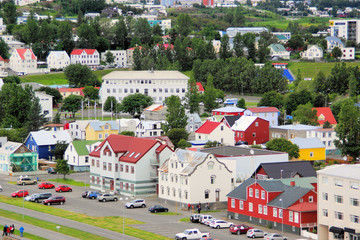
x,y
166,225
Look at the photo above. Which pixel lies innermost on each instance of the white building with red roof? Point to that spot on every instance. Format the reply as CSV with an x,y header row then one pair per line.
x,y
58,60
127,165
89,57
23,60
215,131
268,113
200,88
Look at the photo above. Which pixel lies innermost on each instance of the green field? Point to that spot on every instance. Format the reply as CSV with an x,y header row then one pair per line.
x,y
281,24
311,69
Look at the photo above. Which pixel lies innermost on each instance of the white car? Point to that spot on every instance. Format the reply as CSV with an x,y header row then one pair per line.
x,y
275,236
209,221
220,224
136,203
204,218
255,233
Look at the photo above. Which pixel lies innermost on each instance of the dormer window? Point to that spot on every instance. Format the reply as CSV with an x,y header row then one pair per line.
x,y
137,155
106,127
131,154
126,153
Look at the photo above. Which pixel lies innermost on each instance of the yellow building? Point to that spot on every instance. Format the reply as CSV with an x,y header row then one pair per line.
x,y
310,149
99,130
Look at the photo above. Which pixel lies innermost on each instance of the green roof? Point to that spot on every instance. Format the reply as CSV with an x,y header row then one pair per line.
x,y
281,37
304,182
277,47
80,146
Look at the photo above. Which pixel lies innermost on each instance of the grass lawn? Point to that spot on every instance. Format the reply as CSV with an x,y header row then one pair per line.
x,y
25,234
69,182
185,219
110,223
311,69
282,23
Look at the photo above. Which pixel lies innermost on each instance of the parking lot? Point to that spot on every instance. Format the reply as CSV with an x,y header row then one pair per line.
x,y
166,225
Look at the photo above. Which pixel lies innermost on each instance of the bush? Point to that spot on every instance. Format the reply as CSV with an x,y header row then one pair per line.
x,y
269,226
204,115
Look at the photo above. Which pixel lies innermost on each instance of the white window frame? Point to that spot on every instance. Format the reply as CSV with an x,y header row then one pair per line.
x,y
260,209
274,212
232,203
250,206
251,192
241,205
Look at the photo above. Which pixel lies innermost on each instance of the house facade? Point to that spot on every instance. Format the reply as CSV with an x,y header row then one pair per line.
x,y
228,110
348,53
282,205
89,57
46,103
99,130
16,157
127,165
58,60
77,129
77,154
278,51
338,208
155,112
348,29
333,42
254,130
215,131
268,113
180,174
327,136
23,60
149,129
313,52
119,57
310,149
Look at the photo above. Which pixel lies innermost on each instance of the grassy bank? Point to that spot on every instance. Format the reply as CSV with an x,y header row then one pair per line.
x,y
69,182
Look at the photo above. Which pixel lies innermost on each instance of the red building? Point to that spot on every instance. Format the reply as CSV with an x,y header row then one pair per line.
x,y
288,204
208,2
228,111
253,130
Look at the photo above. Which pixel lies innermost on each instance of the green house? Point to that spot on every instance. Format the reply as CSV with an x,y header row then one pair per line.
x,y
16,157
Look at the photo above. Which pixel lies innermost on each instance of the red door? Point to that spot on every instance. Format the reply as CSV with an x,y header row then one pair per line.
x,y
111,184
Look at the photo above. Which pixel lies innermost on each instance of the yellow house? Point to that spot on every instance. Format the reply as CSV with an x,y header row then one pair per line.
x,y
99,130
310,149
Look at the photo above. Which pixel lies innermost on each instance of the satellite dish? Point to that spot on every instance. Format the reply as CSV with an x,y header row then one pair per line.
x,y
252,152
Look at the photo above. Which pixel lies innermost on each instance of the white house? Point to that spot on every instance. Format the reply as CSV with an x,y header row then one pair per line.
x,y
268,113
58,60
23,60
89,57
46,103
348,53
313,52
127,165
333,42
127,124
77,154
277,51
193,177
77,129
149,128
215,131
119,55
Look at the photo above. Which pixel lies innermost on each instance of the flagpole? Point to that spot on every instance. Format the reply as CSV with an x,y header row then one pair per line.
x,y
82,110
111,109
89,109
95,110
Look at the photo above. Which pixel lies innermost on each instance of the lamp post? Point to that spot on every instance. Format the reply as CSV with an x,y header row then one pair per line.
x,y
123,233
282,216
281,173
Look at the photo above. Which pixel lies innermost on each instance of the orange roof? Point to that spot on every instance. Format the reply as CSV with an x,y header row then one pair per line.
x,y
263,109
80,51
208,127
200,87
154,108
303,207
69,89
21,53
133,48
324,114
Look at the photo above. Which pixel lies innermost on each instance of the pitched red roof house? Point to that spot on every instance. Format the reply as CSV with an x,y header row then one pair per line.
x,y
208,127
165,46
21,53
324,114
200,87
80,51
133,48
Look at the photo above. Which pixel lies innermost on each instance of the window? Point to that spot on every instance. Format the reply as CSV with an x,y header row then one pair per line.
x,y
104,166
222,128
311,198
92,162
338,199
100,136
97,163
260,209
116,167
212,180
207,194
132,169
265,210
296,217
274,212
109,167
338,215
324,180
211,165
241,205
354,218
127,168
254,134
257,193
354,202
311,154
291,216
354,185
121,168
232,203
280,213
325,196
338,182
250,192
256,124
263,194
250,207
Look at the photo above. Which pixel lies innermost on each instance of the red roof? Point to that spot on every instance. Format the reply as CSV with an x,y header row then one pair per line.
x,y
208,127
21,53
263,109
324,114
166,46
80,51
303,207
131,149
133,48
200,87
281,64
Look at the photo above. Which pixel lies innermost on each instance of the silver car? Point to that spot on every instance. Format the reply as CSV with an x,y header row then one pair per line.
x,y
255,233
136,203
106,197
275,236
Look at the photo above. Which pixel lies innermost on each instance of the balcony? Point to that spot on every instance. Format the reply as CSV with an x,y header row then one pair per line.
x,y
154,162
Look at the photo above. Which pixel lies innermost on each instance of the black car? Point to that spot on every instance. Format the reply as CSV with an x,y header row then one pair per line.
x,y
51,170
195,218
40,197
84,194
158,208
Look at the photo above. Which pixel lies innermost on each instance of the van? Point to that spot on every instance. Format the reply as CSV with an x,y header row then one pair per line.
x,y
39,197
204,218
21,73
231,102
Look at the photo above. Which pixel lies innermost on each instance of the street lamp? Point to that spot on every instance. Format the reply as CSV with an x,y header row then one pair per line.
x,y
281,173
123,218
282,216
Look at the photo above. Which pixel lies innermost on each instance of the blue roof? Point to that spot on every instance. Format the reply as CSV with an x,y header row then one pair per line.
x,y
288,76
334,40
96,125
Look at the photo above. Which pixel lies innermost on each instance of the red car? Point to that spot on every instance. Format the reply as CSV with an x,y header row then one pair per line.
x,y
54,200
63,188
239,229
20,193
46,185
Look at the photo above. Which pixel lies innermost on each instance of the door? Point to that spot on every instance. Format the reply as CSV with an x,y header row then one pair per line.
x,y
111,184
217,195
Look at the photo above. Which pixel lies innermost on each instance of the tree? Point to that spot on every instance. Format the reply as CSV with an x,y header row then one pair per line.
x,y
320,82
62,167
298,79
57,118
175,116
80,76
57,97
111,105
353,85
143,31
348,130
283,145
294,99
35,117
210,144
327,125
192,97
272,99
127,133
241,103
137,59
176,134
296,42
210,95
91,93
65,36
121,34
336,106
135,103
109,58
87,36
12,79
305,114
72,104
225,51
183,25
59,150
183,144
9,13
336,52
4,49
238,45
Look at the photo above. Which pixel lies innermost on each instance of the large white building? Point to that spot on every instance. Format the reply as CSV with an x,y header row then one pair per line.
x,y
58,60
338,212
347,29
157,84
232,31
119,57
313,52
23,60
89,57
46,103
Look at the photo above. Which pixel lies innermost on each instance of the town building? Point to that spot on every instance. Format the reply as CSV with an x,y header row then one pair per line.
x,y
228,110
313,52
127,165
77,154
46,103
180,175
310,149
157,84
126,124
119,57
149,128
348,29
77,129
324,114
129,55
232,31
194,122
348,53
278,51
253,130
88,57
100,130
338,204
23,60
155,112
58,60
270,114
164,24
215,131
333,42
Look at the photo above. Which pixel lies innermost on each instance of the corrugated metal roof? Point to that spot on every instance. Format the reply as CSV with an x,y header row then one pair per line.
x,y
229,109
146,75
344,171
97,125
243,123
44,138
298,127
305,143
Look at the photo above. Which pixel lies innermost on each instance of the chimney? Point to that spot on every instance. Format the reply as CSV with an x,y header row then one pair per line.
x,y
292,183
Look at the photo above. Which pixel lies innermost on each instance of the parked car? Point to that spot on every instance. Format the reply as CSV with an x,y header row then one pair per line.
x,y
239,229
158,208
20,193
51,170
191,234
195,218
209,221
255,233
39,197
1,189
26,181
208,238
136,203
107,197
46,185
241,143
92,194
203,218
27,198
275,236
220,224
63,188
54,200
84,193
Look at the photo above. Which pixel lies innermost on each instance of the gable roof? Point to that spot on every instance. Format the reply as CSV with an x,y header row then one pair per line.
x,y
244,123
334,40
80,146
10,147
193,117
289,196
207,127
200,87
132,148
324,114
314,46
165,140
296,127
232,151
231,119
58,54
80,51
304,207
306,143
97,125
44,138
263,109
277,47
154,108
273,170
21,53
229,109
